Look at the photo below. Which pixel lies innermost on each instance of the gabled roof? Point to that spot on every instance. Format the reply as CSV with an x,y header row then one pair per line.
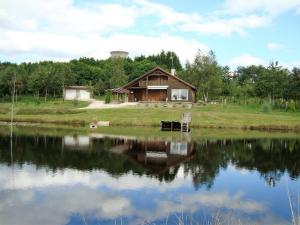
x,y
163,71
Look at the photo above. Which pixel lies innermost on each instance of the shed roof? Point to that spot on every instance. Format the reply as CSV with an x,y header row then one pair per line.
x,y
78,87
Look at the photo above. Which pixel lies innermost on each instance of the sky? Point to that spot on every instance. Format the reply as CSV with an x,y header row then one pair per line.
x,y
240,32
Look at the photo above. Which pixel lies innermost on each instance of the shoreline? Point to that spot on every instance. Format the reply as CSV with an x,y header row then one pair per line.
x,y
84,124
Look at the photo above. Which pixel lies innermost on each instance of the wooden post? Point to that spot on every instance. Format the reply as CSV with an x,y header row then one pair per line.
x,y
147,96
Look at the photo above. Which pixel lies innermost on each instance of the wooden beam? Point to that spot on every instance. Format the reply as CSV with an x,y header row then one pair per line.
x,y
147,90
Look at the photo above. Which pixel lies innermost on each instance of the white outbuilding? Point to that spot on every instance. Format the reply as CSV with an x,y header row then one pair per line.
x,y
82,93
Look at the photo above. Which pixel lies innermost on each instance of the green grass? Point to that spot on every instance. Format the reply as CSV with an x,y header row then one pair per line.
x,y
99,97
146,132
31,106
210,116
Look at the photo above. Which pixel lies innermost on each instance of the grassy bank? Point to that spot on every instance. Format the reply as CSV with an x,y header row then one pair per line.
x,y
210,116
146,132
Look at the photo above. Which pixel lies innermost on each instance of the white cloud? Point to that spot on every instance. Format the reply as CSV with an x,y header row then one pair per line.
x,y
270,7
63,16
65,47
290,65
202,24
167,15
275,46
245,60
227,26
248,60
62,29
140,44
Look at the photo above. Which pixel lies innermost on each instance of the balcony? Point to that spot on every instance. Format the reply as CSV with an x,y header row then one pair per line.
x,y
144,83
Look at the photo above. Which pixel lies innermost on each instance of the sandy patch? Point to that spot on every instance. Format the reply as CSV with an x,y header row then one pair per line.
x,y
95,104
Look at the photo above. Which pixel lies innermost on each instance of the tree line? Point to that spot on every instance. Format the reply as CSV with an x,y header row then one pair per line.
x,y
213,81
48,78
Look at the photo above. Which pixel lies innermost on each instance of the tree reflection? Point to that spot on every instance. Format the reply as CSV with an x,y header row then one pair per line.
x,y
203,159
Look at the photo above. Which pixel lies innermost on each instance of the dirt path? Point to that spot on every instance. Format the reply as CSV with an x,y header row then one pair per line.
x,y
96,104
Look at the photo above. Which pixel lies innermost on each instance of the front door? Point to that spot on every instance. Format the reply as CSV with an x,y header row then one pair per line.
x,y
157,95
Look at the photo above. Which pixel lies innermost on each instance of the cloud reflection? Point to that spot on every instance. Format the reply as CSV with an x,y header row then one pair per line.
x,y
33,196
55,206
29,177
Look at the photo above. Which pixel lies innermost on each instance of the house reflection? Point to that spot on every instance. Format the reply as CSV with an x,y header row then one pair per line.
x,y
76,142
159,156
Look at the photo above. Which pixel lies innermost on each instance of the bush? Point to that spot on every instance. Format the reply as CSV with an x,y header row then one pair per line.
x,y
292,106
108,97
37,101
266,107
75,103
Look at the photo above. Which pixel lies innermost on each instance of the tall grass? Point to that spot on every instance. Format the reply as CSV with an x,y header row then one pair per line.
x,y
4,110
39,111
295,210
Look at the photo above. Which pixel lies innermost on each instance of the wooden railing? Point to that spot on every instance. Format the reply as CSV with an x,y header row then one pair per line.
x,y
152,83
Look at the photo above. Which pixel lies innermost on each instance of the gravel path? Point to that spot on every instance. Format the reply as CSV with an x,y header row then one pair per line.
x,y
95,104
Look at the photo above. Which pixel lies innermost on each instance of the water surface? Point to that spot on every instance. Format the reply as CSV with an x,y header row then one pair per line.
x,y
112,179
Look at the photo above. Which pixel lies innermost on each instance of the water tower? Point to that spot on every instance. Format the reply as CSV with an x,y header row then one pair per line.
x,y
119,54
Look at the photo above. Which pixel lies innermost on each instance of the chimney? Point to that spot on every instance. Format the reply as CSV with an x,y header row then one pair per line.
x,y
173,72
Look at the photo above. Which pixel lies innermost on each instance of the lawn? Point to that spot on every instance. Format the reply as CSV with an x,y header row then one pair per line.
x,y
147,132
214,116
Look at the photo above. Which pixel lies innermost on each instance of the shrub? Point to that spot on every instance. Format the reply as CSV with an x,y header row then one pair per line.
x,y
37,101
108,97
266,107
75,103
292,106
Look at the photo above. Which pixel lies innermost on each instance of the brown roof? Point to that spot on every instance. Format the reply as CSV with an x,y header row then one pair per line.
x,y
78,87
120,90
162,70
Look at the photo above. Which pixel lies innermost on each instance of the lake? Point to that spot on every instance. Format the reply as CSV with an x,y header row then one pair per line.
x,y
95,178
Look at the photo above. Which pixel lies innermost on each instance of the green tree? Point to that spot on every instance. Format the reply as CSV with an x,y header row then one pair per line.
x,y
206,75
272,82
294,84
140,67
116,72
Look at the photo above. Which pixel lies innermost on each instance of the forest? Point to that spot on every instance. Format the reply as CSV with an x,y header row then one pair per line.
x,y
274,84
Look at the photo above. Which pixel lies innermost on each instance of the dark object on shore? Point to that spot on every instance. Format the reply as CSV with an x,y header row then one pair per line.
x,y
173,126
182,126
170,126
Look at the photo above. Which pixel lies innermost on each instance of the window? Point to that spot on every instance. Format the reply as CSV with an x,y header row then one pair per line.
x,y
180,94
179,148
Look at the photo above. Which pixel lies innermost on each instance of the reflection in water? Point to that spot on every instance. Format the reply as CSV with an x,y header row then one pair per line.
x,y
110,180
76,142
159,156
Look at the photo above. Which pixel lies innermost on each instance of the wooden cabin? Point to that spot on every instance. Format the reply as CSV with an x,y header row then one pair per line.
x,y
158,85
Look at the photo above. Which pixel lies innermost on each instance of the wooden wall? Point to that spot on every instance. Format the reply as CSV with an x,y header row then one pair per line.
x,y
140,92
